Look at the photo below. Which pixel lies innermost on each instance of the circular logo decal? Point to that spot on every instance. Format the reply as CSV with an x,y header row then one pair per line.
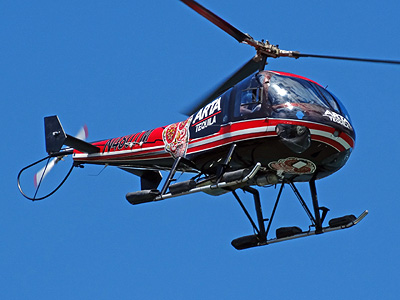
x,y
293,165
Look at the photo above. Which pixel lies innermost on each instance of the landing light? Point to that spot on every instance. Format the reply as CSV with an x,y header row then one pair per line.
x,y
295,137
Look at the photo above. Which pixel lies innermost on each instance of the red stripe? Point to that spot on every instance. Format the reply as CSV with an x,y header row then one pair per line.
x,y
295,76
263,123
328,141
347,138
129,157
228,140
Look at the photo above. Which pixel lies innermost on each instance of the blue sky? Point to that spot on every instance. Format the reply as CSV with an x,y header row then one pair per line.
x,y
129,66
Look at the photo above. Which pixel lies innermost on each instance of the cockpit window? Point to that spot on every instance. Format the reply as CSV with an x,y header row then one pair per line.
x,y
290,90
248,97
297,98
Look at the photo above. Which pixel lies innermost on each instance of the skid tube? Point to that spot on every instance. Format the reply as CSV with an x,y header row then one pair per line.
x,y
189,187
260,237
213,186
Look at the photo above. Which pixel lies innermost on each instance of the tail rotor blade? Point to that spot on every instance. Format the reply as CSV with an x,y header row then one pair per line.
x,y
82,133
41,174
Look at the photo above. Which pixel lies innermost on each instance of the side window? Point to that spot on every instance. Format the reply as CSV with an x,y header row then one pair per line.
x,y
248,99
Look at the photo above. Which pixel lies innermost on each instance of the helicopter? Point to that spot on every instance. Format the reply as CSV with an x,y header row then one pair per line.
x,y
259,128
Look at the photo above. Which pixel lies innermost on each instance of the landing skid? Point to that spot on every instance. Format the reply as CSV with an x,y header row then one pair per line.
x,y
254,240
260,238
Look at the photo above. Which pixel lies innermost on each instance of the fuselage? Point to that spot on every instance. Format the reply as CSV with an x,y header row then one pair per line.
x,y
291,125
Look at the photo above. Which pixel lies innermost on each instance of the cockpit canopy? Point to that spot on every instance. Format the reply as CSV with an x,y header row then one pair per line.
x,y
282,95
270,94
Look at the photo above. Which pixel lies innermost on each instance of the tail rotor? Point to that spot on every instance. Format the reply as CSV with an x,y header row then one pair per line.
x,y
55,139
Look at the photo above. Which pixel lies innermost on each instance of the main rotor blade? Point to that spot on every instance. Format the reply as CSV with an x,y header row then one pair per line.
x,y
249,68
384,61
225,26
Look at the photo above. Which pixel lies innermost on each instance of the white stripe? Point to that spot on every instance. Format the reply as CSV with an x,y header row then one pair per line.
x,y
219,137
331,136
118,152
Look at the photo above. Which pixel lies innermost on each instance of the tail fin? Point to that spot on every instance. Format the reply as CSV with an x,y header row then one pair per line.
x,y
56,138
54,134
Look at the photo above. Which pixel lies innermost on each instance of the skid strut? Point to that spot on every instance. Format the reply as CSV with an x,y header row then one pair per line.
x,y
260,236
318,222
257,203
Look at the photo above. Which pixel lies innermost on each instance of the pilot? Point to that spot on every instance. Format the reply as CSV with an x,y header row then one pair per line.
x,y
249,103
251,99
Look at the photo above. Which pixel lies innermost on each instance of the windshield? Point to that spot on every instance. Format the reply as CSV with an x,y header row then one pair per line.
x,y
284,90
294,97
